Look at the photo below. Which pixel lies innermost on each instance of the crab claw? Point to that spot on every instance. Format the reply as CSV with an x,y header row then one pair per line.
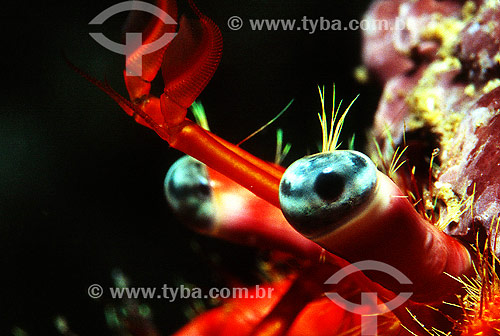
x,y
189,63
142,65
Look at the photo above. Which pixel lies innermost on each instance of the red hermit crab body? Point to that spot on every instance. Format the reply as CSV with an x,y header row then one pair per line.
x,y
335,207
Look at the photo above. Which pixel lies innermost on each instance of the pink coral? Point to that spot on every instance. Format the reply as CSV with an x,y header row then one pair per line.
x,y
479,49
441,85
397,48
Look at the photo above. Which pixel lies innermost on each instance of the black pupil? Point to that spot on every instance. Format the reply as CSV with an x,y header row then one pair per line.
x,y
329,186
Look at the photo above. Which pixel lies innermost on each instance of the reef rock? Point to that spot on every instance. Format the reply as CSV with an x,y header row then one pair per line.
x,y
440,67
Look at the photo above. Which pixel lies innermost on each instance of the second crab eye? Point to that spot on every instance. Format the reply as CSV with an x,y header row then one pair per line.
x,y
321,192
189,193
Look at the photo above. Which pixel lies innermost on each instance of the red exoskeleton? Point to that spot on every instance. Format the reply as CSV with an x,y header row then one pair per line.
x,y
324,211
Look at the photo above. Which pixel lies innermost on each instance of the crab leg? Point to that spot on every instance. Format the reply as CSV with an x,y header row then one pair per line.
x,y
189,62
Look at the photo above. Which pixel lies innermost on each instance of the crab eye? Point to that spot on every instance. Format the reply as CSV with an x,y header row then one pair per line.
x,y
322,192
188,191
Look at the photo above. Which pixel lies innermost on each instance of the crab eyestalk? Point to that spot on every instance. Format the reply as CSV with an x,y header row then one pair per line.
x,y
342,202
212,204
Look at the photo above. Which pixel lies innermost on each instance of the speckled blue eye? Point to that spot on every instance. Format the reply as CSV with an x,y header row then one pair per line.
x,y
188,191
321,192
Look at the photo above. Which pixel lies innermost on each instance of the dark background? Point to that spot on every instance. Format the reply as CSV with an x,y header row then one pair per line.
x,y
81,184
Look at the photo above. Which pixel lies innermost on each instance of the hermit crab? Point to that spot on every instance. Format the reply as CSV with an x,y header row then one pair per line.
x,y
418,214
